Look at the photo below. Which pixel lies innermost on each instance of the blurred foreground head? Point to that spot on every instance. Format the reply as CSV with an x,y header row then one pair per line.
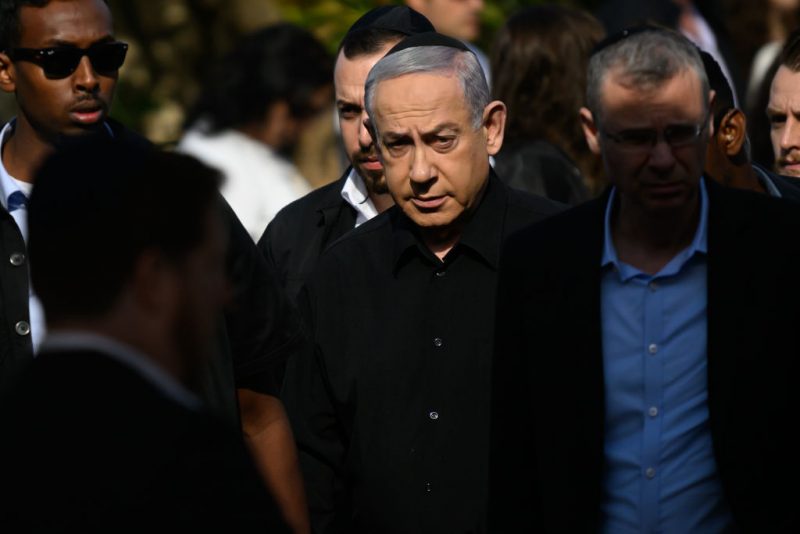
x,y
129,242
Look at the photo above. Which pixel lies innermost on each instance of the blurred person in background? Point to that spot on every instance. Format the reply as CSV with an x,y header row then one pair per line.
x,y
728,158
460,19
539,61
301,231
783,109
249,116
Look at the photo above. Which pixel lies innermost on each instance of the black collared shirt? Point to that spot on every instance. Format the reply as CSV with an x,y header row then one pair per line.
x,y
391,415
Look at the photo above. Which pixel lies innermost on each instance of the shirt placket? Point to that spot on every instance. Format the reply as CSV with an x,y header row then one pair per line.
x,y
652,354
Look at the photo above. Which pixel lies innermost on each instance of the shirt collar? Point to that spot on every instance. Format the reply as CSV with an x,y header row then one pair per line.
x,y
7,183
355,193
73,340
482,233
699,243
767,182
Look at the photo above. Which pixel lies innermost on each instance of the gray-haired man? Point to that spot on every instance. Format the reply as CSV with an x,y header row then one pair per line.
x,y
391,415
647,355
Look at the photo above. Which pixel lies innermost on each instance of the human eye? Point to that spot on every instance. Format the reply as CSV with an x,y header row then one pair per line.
x,y
776,120
396,146
636,137
348,111
681,134
443,142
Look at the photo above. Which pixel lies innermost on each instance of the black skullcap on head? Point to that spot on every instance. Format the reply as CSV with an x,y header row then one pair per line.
x,y
400,19
428,39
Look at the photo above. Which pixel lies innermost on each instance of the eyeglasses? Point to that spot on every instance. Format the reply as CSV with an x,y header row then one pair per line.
x,y
643,140
61,61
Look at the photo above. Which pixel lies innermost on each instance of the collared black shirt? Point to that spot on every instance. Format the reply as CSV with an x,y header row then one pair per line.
x,y
392,413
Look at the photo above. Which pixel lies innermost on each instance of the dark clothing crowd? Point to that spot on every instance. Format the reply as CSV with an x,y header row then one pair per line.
x,y
550,292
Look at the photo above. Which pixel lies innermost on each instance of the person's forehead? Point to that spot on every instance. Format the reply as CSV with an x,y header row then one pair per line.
x,y
79,22
681,95
785,85
354,71
420,98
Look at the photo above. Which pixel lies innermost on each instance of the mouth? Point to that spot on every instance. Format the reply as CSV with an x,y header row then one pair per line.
x,y
789,167
428,203
87,113
371,164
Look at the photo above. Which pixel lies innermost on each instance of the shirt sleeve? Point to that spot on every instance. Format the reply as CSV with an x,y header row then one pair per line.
x,y
263,326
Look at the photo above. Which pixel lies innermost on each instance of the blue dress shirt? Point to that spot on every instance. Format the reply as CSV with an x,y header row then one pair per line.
x,y
661,475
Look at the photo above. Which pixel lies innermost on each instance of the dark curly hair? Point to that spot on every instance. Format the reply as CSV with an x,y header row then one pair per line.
x,y
10,30
538,61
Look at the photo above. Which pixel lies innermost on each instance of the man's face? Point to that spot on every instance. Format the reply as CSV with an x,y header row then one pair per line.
x,y
78,102
783,111
203,292
457,18
436,162
349,77
660,176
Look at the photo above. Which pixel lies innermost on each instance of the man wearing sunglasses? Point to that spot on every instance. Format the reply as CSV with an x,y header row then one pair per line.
x,y
647,355
61,61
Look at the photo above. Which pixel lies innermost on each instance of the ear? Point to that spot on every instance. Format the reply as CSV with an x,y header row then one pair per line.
x,y
590,130
7,74
494,125
732,132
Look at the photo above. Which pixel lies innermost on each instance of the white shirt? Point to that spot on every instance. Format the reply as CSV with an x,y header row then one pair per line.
x,y
70,340
355,193
8,185
258,182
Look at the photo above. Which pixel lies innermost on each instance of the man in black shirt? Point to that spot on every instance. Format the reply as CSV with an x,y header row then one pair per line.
x,y
391,414
300,232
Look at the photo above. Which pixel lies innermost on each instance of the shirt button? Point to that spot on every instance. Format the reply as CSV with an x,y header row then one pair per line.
x,y
440,274
428,487
437,342
653,348
17,259
22,328
433,416
650,473
653,286
653,411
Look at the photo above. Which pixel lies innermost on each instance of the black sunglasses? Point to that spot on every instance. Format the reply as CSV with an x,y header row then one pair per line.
x,y
61,61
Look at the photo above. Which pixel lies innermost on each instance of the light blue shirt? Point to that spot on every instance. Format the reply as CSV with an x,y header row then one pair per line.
x,y
661,475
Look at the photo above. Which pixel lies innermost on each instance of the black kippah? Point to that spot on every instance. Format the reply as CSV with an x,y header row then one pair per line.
x,y
428,39
401,19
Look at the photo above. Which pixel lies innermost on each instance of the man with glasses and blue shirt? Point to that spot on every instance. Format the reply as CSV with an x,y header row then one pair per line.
x,y
62,64
646,341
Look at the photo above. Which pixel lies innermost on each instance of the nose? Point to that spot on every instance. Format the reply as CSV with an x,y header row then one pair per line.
x,y
791,134
364,137
84,77
422,170
661,155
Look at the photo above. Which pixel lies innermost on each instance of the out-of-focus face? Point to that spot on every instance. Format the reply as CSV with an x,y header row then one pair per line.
x,y
349,77
436,162
457,18
78,102
783,112
652,176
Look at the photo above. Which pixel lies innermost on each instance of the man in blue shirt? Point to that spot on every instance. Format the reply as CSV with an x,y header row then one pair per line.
x,y
645,341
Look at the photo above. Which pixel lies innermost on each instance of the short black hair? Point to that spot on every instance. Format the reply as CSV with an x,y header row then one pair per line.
x,y
98,204
790,55
381,26
723,94
282,62
10,29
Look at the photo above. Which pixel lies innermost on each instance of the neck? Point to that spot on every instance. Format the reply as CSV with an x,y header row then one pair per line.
x,y
25,150
381,201
744,177
648,242
439,241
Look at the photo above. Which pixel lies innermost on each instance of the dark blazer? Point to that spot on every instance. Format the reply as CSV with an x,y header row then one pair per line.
x,y
548,412
89,445
302,230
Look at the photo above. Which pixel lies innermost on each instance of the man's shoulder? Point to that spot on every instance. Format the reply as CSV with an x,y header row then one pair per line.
x,y
304,208
530,208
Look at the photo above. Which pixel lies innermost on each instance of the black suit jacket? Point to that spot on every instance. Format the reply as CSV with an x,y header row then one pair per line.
x,y
302,230
548,411
90,445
